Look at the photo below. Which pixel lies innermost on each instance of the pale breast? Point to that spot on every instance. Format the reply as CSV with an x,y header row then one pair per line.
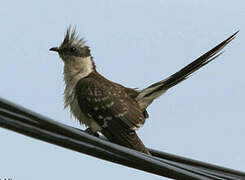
x,y
71,102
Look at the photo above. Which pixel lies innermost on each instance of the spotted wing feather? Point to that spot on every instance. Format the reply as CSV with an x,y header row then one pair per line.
x,y
113,109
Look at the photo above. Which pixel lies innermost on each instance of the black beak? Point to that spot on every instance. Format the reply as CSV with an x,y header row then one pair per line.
x,y
54,49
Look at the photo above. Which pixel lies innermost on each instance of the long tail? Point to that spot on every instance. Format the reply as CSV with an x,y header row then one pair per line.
x,y
147,95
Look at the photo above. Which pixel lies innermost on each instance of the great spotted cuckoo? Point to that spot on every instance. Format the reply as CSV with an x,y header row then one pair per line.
x,y
107,107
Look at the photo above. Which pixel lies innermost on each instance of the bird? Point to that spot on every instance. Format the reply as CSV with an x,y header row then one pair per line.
x,y
107,107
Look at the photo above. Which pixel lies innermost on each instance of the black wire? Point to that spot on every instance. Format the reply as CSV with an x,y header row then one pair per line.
x,y
222,171
57,133
24,121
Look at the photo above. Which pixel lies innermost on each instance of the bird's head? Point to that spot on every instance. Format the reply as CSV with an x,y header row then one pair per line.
x,y
74,52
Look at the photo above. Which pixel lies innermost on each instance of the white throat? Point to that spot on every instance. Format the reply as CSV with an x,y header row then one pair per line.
x,y
77,68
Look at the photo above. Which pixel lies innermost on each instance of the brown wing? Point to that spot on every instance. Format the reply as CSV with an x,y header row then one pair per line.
x,y
104,101
133,93
113,109
118,133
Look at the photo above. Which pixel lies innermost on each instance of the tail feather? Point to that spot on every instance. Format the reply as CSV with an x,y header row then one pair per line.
x,y
147,95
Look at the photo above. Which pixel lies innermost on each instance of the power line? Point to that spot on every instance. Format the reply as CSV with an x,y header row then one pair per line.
x,y
24,121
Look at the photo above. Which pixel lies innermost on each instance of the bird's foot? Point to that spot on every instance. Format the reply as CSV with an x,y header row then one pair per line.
x,y
89,131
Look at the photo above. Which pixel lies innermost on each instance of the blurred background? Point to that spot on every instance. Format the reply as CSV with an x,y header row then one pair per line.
x,y
134,43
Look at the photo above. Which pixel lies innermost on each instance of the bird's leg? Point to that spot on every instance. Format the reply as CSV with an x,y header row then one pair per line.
x,y
89,131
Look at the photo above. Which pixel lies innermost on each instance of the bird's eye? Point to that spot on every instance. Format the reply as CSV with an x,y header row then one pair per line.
x,y
73,49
